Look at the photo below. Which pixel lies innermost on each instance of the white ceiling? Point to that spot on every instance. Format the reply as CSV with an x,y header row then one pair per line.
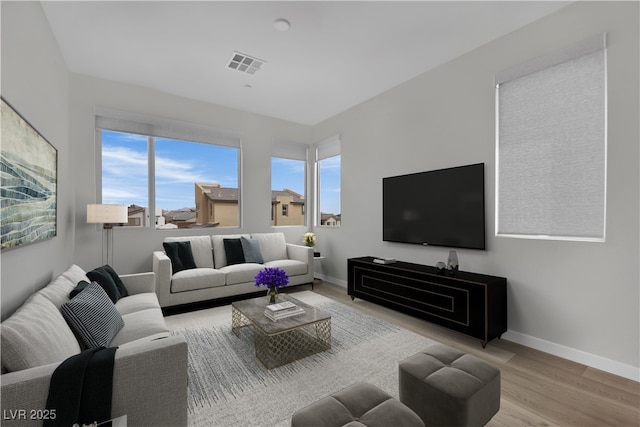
x,y
335,55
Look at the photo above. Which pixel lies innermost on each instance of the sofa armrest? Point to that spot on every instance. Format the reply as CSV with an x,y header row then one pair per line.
x,y
300,253
149,386
162,270
139,283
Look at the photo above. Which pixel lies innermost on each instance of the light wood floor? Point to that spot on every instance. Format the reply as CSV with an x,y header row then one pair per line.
x,y
538,389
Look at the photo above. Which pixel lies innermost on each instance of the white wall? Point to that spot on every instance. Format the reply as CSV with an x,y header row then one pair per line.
x,y
35,82
580,300
133,247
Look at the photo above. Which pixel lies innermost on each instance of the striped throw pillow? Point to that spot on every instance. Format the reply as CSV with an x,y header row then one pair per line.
x,y
92,316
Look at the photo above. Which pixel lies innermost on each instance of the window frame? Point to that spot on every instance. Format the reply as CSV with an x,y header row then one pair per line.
x,y
326,149
290,150
155,127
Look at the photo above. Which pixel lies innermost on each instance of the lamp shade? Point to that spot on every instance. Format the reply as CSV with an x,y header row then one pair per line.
x,y
107,214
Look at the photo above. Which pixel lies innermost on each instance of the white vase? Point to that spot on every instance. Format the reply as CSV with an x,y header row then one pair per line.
x,y
452,262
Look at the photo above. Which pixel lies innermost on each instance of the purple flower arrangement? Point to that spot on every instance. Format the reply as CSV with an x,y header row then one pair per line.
x,y
272,277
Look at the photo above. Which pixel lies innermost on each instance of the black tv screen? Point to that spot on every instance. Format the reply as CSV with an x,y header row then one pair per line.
x,y
442,207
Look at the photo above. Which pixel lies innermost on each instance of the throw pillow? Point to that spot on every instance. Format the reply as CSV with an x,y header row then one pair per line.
x,y
108,286
106,276
233,251
251,250
180,254
80,287
92,316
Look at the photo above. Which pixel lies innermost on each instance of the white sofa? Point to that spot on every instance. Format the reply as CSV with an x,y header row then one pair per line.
x,y
214,278
150,366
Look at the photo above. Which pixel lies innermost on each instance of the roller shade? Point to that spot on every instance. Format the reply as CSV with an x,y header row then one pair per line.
x,y
551,145
110,119
329,147
289,150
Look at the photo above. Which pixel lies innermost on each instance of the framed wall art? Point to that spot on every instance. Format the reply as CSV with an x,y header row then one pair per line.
x,y
28,188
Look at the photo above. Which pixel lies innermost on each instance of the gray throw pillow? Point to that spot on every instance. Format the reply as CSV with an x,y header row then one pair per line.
x,y
251,249
92,316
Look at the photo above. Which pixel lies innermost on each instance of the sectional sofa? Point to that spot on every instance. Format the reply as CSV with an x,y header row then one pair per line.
x,y
225,265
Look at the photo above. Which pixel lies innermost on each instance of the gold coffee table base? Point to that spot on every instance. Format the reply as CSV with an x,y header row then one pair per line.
x,y
287,340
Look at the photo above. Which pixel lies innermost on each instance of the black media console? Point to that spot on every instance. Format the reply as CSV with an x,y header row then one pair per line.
x,y
474,304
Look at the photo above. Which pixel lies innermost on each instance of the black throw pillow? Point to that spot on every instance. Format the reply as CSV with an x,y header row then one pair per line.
x,y
80,287
233,251
180,254
106,276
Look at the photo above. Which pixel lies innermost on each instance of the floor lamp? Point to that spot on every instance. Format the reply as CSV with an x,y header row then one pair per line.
x,y
107,215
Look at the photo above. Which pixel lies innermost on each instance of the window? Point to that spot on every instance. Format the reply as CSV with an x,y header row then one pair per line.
x,y
125,172
194,181
551,146
288,172
328,182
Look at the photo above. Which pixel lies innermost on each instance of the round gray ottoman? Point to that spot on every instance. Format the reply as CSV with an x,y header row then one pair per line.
x,y
447,387
360,404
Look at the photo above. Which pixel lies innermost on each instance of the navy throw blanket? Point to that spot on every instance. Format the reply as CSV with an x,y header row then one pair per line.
x,y
81,387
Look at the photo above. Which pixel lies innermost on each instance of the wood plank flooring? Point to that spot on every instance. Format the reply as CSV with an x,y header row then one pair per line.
x,y
538,389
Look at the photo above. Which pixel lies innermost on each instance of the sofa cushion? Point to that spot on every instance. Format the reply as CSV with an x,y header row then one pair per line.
x,y
200,248
233,251
180,255
251,250
137,302
58,290
93,316
273,245
75,274
140,324
36,335
217,242
290,266
108,278
199,278
241,273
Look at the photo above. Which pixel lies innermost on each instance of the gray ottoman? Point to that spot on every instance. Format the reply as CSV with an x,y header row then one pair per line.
x,y
447,387
360,404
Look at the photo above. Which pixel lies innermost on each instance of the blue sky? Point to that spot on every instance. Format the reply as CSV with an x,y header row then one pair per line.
x,y
179,165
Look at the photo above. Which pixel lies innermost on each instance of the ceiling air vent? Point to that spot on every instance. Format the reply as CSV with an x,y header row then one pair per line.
x,y
245,63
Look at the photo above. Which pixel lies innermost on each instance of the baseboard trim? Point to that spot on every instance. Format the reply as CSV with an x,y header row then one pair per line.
x,y
579,356
598,362
333,280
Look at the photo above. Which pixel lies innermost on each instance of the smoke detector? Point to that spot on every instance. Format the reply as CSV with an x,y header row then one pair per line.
x,y
245,63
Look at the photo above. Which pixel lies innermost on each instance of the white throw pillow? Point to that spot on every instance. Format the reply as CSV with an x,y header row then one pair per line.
x,y
273,245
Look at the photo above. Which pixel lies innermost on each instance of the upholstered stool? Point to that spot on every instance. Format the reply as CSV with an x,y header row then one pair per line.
x,y
447,387
360,404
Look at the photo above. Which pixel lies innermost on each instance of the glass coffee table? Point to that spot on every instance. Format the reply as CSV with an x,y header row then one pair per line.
x,y
286,340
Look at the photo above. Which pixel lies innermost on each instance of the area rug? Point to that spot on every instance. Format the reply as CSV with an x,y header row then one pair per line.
x,y
229,387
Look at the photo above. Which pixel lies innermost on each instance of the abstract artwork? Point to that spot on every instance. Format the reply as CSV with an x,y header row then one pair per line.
x,y
28,182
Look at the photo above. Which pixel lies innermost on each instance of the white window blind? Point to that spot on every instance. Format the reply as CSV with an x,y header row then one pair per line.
x,y
330,147
121,121
551,135
289,150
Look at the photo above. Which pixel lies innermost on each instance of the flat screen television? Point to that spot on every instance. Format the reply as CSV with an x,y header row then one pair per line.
x,y
442,207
